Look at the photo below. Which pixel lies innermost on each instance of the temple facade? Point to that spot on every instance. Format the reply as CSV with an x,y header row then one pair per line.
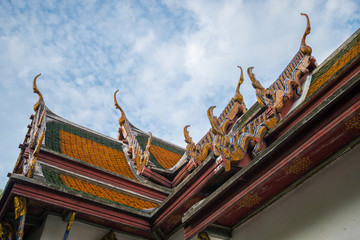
x,y
284,168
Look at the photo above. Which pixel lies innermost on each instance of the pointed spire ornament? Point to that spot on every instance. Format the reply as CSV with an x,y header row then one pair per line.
x,y
36,90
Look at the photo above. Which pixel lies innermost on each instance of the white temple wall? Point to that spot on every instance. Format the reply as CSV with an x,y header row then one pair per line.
x,y
55,227
327,206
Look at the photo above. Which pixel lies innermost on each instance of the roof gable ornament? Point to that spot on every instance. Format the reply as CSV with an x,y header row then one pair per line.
x,y
304,47
233,148
195,153
238,96
145,156
36,90
139,157
122,117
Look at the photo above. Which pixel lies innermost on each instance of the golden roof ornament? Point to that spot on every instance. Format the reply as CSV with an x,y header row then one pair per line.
x,y
238,96
191,147
146,155
32,162
304,47
36,90
196,153
216,128
188,139
122,118
261,93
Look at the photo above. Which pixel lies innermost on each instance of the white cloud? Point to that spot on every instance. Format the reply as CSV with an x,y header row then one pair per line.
x,y
170,60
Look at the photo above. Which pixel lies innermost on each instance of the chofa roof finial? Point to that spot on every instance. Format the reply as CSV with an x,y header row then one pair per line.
x,y
188,139
36,90
122,118
304,47
238,97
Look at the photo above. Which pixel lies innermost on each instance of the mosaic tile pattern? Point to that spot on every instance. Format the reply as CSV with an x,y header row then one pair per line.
x,y
87,147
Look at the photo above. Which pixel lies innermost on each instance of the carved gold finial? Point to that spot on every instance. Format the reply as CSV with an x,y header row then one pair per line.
x,y
36,90
188,139
216,129
255,83
261,92
190,147
32,162
148,144
304,47
238,97
146,155
122,118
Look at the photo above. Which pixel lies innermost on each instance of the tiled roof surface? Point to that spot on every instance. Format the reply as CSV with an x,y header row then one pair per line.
x,y
162,155
87,188
334,65
287,73
87,147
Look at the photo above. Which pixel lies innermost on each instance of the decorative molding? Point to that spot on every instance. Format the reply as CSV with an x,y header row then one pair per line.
x,y
250,201
299,166
353,123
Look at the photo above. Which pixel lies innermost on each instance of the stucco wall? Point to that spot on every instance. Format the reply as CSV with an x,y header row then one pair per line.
x,y
54,228
327,206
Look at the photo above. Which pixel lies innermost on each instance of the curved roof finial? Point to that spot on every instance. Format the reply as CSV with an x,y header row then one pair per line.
x,y
255,83
188,139
214,122
122,118
238,97
148,144
36,90
304,47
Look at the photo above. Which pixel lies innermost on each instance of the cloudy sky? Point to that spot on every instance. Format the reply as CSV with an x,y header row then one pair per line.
x,y
170,60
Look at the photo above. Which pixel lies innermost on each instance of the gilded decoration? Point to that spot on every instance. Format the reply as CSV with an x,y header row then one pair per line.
x,y
174,219
31,168
250,201
299,166
250,138
20,213
142,158
195,152
139,157
71,220
353,123
2,234
110,236
68,226
6,231
36,90
203,236
217,139
308,60
35,130
20,206
122,117
39,108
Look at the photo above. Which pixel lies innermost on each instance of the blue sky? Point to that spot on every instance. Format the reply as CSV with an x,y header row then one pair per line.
x,y
170,60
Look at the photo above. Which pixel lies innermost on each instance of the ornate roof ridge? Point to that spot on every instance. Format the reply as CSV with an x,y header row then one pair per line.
x,y
56,117
156,138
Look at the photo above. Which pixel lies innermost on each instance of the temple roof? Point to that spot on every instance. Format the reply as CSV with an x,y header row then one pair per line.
x,y
95,189
87,146
142,174
163,155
